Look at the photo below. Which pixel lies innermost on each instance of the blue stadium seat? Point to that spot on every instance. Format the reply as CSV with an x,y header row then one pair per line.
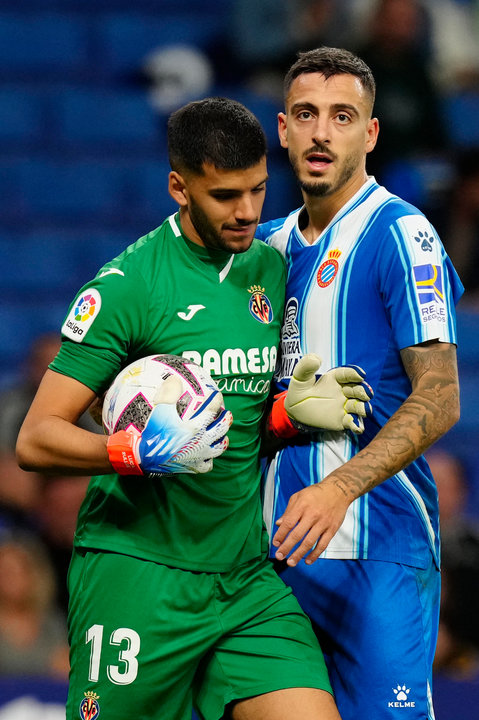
x,y
57,259
128,38
22,115
24,318
71,190
148,193
461,113
38,43
10,190
94,117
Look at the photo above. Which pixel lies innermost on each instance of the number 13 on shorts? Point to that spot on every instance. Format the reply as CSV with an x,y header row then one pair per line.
x,y
128,643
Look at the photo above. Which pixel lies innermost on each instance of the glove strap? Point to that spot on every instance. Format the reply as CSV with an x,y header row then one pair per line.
x,y
122,452
279,422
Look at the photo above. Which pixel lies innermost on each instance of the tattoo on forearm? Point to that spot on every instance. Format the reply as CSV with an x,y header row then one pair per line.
x,y
431,409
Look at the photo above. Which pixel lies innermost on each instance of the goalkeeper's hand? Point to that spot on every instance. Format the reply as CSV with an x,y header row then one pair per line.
x,y
337,400
169,444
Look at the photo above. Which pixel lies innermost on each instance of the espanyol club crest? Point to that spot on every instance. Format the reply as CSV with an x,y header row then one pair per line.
x,y
89,707
259,305
328,269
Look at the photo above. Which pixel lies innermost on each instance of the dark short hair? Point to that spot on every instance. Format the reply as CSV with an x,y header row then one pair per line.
x,y
215,130
331,61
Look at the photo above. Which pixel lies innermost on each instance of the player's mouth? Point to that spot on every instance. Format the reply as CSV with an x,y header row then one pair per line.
x,y
318,161
241,230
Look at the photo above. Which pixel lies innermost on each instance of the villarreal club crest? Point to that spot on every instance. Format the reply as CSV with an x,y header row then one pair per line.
x,y
89,707
260,305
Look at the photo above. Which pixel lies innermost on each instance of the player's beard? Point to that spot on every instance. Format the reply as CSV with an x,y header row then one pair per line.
x,y
320,187
208,233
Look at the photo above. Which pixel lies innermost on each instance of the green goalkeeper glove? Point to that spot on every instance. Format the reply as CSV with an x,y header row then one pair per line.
x,y
337,400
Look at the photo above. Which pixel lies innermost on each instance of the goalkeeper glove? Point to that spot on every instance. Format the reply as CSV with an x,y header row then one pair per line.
x,y
169,444
336,400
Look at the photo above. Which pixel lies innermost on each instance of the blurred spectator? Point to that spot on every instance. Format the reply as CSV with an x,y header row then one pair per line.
x,y
397,47
33,637
19,492
56,517
456,665
454,43
461,226
15,401
452,487
266,36
177,74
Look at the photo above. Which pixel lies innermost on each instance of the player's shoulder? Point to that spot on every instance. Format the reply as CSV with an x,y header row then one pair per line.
x,y
392,207
261,252
138,258
267,230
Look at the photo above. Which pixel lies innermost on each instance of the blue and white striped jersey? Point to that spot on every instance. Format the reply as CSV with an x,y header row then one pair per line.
x,y
375,281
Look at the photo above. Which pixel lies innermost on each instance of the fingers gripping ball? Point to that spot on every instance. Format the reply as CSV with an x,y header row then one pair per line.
x,y
337,400
164,415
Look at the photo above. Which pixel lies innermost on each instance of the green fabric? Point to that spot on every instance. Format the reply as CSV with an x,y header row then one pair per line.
x,y
149,640
207,522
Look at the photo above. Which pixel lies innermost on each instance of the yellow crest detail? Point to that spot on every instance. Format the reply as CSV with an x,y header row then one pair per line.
x,y
91,694
334,254
256,289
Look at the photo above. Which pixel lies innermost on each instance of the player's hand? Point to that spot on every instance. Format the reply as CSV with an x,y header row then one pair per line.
x,y
337,400
311,519
169,444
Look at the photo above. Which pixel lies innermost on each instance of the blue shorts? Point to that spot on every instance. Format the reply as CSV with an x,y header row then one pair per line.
x,y
377,625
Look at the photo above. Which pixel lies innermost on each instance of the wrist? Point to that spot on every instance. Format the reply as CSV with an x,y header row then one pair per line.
x,y
122,448
279,422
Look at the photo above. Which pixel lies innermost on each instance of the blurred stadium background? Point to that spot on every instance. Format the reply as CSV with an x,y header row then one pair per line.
x,y
85,90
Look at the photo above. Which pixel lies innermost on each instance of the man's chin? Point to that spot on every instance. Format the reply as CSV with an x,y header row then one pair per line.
x,y
316,189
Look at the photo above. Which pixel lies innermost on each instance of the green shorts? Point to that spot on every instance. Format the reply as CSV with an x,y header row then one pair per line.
x,y
149,641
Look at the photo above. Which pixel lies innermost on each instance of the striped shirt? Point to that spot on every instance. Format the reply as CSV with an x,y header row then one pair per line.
x,y
375,281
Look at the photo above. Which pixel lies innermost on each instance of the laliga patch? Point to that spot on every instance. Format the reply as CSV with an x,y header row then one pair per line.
x,y
84,311
428,282
260,305
328,269
89,708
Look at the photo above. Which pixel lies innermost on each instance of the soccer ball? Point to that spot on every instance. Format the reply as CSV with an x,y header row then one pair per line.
x,y
131,397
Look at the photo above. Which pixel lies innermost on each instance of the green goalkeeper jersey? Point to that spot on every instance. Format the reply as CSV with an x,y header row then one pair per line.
x,y
166,294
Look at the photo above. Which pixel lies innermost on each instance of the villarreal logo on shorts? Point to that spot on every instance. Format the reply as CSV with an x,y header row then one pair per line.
x,y
260,305
89,707
328,269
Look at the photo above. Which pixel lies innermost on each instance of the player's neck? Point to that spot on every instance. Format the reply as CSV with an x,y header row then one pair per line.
x,y
321,210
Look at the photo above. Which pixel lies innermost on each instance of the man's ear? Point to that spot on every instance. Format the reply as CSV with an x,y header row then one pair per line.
x,y
372,134
177,188
282,130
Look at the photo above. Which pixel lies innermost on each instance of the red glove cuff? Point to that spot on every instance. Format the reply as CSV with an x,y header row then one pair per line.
x,y
278,421
122,452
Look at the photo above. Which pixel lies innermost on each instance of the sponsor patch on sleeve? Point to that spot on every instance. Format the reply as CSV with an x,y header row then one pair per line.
x,y
84,311
428,282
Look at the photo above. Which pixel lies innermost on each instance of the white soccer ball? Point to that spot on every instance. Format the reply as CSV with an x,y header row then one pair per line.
x,y
131,397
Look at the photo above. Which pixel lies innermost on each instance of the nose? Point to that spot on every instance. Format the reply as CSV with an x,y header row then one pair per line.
x,y
245,210
322,130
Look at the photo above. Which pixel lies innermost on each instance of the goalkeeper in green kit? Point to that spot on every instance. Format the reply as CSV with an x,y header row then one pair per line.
x,y
173,602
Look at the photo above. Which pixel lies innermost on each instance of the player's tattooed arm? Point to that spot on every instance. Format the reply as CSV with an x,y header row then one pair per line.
x,y
429,411
314,514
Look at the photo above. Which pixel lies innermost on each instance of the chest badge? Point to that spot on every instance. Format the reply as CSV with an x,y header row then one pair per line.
x,y
259,305
328,269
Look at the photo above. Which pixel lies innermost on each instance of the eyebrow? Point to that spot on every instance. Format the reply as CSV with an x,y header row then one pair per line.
x,y
236,190
337,107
